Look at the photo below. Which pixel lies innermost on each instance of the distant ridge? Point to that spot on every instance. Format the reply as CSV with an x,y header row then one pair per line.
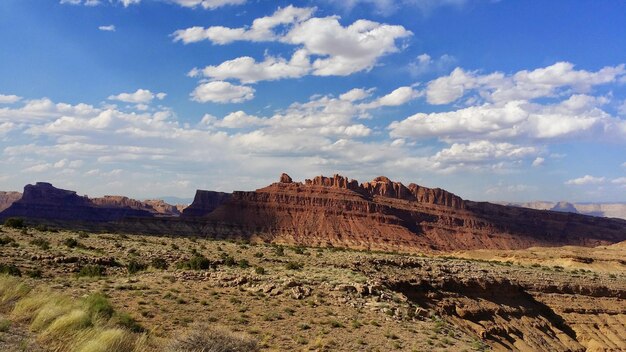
x,y
609,210
329,211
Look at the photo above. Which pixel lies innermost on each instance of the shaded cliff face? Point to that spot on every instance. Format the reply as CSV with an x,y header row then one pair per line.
x,y
386,215
8,198
44,201
204,203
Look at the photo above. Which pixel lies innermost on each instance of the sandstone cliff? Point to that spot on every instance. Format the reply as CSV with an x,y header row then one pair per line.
x,y
386,215
44,201
8,198
204,203
154,206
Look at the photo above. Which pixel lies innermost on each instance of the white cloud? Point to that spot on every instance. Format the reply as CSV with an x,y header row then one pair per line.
x,y
141,96
355,94
425,64
127,3
247,70
523,85
483,151
208,4
324,46
9,99
108,28
400,96
619,181
222,92
539,161
586,180
262,28
577,117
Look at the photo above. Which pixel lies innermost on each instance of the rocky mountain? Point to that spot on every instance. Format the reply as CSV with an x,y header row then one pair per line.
x,y
44,201
155,206
609,210
386,215
7,198
331,211
204,203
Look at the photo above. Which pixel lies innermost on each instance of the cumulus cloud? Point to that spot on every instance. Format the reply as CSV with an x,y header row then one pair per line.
x,y
483,150
577,117
324,46
222,92
425,64
586,180
141,96
539,161
9,99
108,28
247,70
619,181
523,85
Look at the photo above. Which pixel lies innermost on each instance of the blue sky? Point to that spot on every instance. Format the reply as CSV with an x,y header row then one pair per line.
x,y
493,100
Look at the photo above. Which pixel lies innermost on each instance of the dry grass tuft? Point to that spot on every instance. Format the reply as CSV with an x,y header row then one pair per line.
x,y
212,339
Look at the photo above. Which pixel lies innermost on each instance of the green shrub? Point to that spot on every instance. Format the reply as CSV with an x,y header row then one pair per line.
x,y
41,243
16,223
279,251
134,266
9,269
243,263
259,270
35,273
199,262
5,325
229,261
294,266
92,271
71,242
159,263
98,306
6,240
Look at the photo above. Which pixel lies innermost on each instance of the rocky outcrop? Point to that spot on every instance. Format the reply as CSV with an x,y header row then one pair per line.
x,y
386,215
204,203
155,206
44,201
8,198
284,178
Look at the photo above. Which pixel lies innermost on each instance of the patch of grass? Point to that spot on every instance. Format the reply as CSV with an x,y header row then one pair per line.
x,y
41,243
259,270
35,273
9,269
159,263
126,321
71,242
5,325
294,266
4,240
98,305
92,271
134,266
204,338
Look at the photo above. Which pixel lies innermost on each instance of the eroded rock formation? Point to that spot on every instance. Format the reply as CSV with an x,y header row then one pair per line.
x,y
44,201
204,203
8,198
